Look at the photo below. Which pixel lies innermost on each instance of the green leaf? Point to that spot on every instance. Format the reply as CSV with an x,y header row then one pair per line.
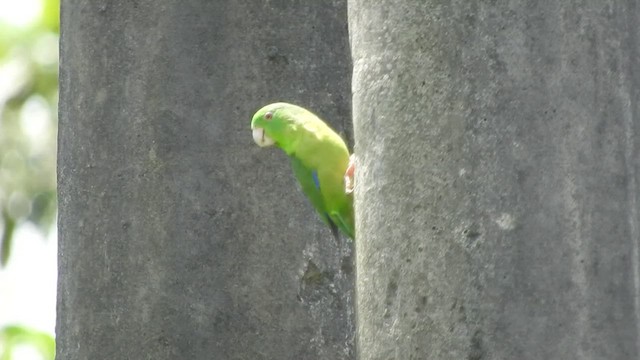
x,y
13,335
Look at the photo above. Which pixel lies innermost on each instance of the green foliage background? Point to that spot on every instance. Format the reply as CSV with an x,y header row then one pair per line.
x,y
29,63
28,99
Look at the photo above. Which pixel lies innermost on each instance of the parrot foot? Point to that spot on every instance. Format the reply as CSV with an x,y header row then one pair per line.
x,y
349,175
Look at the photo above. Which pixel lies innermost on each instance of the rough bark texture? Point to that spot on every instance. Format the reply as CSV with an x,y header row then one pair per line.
x,y
179,237
497,190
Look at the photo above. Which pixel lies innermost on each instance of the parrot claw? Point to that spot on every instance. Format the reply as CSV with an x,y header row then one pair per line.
x,y
349,176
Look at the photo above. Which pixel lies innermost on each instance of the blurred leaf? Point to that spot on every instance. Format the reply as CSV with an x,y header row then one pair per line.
x,y
13,336
7,237
43,212
51,15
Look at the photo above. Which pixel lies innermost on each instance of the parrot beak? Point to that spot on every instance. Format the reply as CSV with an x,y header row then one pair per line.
x,y
261,138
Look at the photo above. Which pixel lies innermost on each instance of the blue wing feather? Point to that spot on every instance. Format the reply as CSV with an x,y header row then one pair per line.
x,y
310,185
314,174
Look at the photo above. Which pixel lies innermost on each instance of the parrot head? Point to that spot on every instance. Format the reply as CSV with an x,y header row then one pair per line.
x,y
273,124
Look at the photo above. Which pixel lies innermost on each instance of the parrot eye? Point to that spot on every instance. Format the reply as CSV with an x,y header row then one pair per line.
x,y
268,115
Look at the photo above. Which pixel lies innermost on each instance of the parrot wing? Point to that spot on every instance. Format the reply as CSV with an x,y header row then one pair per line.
x,y
310,185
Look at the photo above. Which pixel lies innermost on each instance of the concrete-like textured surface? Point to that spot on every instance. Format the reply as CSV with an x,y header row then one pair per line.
x,y
179,237
497,189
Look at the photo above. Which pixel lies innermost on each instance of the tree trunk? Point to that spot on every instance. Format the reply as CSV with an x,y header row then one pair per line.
x,y
497,189
179,237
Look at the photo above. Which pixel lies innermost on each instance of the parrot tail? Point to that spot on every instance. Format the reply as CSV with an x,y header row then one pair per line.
x,y
334,230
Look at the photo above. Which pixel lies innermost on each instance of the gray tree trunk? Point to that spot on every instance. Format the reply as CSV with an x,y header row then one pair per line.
x,y
179,237
497,189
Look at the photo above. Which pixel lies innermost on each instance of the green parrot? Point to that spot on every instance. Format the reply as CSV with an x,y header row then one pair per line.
x,y
319,158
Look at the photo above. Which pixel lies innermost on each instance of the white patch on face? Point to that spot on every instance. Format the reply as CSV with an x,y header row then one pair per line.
x,y
261,138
